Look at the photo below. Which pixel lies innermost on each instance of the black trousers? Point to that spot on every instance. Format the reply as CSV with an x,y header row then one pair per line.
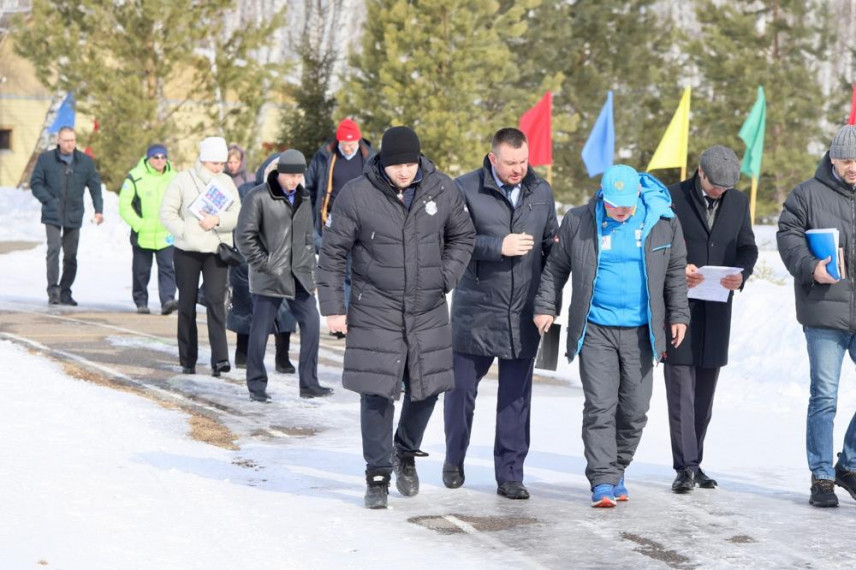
x,y
141,271
689,393
265,311
376,419
513,405
189,265
67,240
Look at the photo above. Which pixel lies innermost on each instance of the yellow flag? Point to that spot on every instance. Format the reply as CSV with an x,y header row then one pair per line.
x,y
672,152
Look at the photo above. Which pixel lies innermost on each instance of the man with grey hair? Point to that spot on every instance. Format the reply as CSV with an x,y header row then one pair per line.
x,y
717,228
825,307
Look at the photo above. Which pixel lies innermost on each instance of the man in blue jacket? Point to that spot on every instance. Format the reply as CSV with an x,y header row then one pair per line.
x,y
626,256
514,215
58,182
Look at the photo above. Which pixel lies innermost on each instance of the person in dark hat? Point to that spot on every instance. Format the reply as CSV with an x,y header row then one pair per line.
x,y
405,225
715,219
825,307
274,233
139,205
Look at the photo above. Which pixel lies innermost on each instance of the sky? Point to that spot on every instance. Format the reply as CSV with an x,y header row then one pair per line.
x,y
92,477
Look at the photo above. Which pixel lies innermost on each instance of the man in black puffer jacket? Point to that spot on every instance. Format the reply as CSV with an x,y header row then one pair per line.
x,y
826,306
274,233
410,238
514,215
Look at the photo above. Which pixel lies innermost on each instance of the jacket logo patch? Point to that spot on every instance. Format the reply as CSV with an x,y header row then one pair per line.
x,y
431,207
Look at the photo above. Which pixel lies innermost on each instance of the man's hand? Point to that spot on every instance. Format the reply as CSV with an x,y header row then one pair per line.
x,y
517,244
732,282
693,276
543,323
678,333
98,219
821,275
209,222
337,324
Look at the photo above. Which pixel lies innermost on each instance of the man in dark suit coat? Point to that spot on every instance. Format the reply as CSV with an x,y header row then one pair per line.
x,y
718,231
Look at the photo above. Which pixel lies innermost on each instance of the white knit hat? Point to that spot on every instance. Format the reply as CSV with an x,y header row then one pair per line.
x,y
213,149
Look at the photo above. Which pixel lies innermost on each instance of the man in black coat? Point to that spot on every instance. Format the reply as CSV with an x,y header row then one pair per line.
x,y
514,215
405,225
58,181
718,231
274,233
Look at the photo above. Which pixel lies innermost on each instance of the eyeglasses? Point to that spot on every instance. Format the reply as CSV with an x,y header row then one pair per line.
x,y
158,157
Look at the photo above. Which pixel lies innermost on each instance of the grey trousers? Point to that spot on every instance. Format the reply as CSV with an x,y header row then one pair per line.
x,y
65,239
616,369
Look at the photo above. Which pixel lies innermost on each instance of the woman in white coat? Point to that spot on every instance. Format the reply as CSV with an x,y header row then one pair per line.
x,y
197,238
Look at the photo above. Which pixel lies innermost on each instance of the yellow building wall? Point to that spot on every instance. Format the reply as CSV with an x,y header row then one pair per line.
x,y
24,102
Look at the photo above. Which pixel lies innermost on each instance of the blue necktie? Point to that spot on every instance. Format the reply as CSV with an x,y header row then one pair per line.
x,y
508,190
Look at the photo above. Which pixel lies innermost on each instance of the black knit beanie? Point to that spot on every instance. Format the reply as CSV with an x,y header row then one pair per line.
x,y
399,145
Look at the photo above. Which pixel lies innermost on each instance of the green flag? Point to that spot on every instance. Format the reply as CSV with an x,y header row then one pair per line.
x,y
752,133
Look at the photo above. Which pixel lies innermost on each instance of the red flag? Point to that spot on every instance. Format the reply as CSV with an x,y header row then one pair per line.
x,y
535,123
852,119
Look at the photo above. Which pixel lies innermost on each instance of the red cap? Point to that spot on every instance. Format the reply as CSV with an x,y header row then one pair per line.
x,y
348,130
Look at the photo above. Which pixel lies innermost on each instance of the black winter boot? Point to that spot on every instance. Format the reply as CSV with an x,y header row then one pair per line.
x,y
377,489
283,364
404,466
241,351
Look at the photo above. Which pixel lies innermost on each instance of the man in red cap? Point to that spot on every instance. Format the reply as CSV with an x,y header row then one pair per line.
x,y
337,162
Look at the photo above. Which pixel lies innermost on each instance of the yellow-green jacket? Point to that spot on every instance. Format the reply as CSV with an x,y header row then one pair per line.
x,y
140,202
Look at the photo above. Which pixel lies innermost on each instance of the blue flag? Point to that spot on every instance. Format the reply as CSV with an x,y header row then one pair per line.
x,y
599,151
64,115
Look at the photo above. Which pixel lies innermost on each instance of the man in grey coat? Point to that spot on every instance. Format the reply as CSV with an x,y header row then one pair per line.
x,y
514,215
410,238
826,307
274,233
626,256
58,181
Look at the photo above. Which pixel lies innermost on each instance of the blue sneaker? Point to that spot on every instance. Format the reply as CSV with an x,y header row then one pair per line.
x,y
603,496
621,493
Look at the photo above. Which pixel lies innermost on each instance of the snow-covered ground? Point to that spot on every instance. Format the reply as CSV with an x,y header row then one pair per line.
x,y
95,478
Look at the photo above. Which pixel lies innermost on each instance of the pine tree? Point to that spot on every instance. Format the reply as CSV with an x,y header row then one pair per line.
x,y
442,67
774,43
137,66
593,47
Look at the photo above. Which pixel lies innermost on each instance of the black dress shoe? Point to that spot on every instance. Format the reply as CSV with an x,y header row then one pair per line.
x,y
285,368
169,307
67,300
453,477
188,370
685,481
53,298
262,397
513,490
703,481
218,367
315,392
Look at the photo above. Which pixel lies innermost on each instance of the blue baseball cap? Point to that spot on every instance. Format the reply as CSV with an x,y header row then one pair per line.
x,y
620,186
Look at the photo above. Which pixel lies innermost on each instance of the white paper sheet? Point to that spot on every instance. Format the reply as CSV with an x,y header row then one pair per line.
x,y
710,289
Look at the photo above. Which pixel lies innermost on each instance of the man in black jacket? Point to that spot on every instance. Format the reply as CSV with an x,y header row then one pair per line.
x,y
58,181
405,225
514,215
274,233
717,229
826,307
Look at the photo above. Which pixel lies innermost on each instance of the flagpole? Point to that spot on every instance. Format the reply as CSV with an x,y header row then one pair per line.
x,y
550,174
684,172
752,196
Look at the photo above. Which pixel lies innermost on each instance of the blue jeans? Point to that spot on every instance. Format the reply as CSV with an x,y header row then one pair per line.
x,y
826,348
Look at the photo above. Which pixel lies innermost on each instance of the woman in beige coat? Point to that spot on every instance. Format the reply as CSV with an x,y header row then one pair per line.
x,y
197,237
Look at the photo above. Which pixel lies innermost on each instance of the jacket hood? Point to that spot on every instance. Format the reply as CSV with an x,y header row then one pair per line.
x,y
824,175
654,195
260,171
241,169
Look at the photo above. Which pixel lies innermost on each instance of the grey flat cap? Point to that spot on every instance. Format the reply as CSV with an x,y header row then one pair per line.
x,y
721,166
